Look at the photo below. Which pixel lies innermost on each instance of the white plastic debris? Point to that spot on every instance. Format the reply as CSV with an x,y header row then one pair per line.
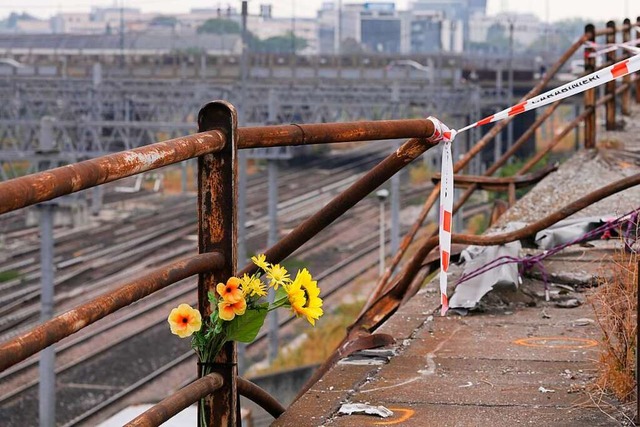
x,y
361,408
569,303
468,293
568,229
582,322
545,390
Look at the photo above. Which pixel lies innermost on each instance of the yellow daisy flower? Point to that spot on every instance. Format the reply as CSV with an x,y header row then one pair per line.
x,y
184,320
252,286
277,275
261,261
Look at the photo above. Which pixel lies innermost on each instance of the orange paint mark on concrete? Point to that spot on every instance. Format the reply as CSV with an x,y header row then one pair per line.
x,y
406,414
561,342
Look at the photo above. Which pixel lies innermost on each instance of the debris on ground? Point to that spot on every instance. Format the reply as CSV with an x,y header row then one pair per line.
x,y
569,303
362,408
582,322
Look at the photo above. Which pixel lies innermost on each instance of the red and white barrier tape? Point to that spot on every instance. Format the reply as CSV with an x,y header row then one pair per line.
x,y
445,135
610,47
589,81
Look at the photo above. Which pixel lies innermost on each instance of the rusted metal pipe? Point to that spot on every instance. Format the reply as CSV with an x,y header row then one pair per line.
x,y
512,194
414,265
607,31
28,190
324,133
477,148
217,232
177,402
72,321
259,396
626,95
555,141
589,97
491,183
610,87
25,191
604,31
404,155
508,154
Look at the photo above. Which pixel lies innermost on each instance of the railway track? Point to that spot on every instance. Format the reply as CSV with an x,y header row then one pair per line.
x,y
71,373
83,357
117,247
108,355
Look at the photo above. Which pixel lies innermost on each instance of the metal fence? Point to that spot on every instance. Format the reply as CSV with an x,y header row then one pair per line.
x,y
216,148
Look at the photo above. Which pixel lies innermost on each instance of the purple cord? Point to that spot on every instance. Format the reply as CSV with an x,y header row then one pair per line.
x,y
528,262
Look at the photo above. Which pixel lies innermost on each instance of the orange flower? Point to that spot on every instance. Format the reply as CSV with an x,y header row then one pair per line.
x,y
229,310
231,291
184,320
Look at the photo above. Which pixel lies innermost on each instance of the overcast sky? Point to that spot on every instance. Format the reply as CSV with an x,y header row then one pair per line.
x,y
593,9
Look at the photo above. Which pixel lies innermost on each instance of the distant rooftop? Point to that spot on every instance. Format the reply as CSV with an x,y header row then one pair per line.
x,y
132,41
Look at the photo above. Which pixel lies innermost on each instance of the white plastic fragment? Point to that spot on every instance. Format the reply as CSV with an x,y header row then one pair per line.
x,y
582,322
545,390
361,408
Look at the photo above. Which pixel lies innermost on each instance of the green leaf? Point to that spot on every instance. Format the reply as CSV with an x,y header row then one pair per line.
x,y
245,328
280,293
212,297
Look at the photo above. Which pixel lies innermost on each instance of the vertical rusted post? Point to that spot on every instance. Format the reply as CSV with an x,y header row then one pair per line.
x,y
626,95
512,194
217,175
610,87
590,95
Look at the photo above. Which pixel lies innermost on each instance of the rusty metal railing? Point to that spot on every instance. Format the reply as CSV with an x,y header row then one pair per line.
x,y
588,116
39,187
200,388
80,317
216,147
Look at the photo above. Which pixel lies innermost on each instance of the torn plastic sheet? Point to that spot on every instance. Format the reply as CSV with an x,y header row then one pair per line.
x,y
361,408
468,293
567,230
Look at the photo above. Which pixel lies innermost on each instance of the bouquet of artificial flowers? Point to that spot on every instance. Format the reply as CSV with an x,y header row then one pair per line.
x,y
238,308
